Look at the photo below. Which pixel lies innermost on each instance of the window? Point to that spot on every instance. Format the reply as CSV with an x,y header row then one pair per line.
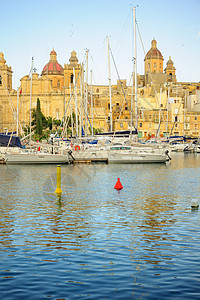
x,y
0,81
108,105
195,118
117,103
121,125
161,105
58,83
148,66
140,124
154,65
71,78
126,108
149,117
176,119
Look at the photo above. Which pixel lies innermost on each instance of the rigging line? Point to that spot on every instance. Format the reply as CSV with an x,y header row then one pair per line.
x,y
72,94
162,116
121,84
121,34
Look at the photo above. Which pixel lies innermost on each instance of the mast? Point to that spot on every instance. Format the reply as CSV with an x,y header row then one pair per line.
x,y
135,68
91,101
81,101
17,111
109,78
72,123
159,111
168,110
31,94
86,96
184,115
76,109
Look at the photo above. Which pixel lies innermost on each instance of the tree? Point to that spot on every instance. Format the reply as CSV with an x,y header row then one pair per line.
x,y
39,125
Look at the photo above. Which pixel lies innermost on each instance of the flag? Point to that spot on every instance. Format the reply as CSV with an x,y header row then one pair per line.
x,y
20,91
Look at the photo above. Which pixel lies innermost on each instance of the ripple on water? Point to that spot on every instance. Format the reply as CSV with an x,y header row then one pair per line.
x,y
96,242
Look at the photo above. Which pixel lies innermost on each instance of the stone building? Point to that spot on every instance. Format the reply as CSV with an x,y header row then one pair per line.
x,y
164,105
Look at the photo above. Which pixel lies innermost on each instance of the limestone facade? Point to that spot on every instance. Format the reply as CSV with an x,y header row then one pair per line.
x,y
164,105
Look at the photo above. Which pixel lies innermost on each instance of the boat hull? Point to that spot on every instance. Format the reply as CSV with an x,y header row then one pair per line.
x,y
24,158
135,158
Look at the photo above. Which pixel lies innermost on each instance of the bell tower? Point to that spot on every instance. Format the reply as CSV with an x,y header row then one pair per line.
x,y
170,70
5,75
72,71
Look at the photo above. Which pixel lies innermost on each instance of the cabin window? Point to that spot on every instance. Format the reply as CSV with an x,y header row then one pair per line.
x,y
0,81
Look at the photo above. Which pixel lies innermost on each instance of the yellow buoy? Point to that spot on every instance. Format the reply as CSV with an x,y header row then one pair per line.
x,y
58,190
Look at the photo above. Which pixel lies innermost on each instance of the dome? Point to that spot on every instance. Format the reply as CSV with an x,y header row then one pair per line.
x,y
154,52
53,67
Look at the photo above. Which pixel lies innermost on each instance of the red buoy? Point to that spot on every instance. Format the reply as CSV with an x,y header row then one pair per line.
x,y
118,186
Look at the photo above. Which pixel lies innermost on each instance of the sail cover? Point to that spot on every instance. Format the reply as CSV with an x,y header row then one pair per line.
x,y
14,141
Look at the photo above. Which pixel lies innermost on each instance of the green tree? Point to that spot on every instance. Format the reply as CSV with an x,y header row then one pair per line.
x,y
39,125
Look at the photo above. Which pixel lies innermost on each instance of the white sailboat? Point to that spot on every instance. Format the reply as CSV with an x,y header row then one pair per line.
x,y
26,157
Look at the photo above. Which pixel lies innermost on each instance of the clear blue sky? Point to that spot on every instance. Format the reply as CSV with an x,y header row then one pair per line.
x,y
33,28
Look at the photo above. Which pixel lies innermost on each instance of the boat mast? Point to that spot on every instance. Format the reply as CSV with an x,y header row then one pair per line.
x,y
159,112
86,96
135,68
91,101
76,109
184,115
31,95
17,111
72,123
109,78
81,101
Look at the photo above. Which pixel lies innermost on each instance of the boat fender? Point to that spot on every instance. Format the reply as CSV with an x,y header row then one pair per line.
x,y
77,147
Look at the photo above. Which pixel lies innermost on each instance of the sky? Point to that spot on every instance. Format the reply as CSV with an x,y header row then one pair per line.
x,y
33,28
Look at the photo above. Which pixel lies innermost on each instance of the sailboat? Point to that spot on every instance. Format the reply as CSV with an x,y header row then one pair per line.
x,y
136,153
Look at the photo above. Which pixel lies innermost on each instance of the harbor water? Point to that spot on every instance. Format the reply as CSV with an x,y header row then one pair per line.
x,y
95,242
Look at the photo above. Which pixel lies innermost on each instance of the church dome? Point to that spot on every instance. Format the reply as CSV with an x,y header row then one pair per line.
x,y
154,52
53,67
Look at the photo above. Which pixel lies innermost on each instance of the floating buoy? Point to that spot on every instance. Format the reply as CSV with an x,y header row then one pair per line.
x,y
194,203
118,186
58,190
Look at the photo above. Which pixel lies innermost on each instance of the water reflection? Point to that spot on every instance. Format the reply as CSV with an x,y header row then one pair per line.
x,y
94,241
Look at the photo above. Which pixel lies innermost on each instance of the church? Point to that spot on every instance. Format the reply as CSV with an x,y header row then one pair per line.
x,y
64,89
